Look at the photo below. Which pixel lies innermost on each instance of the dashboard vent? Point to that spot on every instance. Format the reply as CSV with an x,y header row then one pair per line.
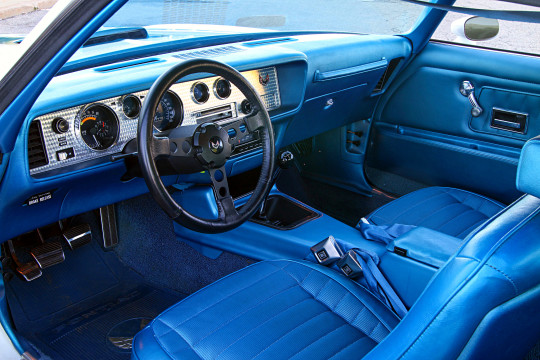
x,y
387,74
269,41
208,52
36,150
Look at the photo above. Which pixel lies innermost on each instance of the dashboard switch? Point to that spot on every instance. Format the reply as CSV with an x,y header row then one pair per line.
x,y
65,154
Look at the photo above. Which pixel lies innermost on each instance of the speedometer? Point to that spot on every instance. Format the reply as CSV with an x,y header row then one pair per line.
x,y
169,112
99,126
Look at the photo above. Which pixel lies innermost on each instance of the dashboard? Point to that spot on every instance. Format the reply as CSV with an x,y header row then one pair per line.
x,y
62,162
102,128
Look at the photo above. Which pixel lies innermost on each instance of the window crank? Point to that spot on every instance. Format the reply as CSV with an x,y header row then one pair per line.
x,y
467,89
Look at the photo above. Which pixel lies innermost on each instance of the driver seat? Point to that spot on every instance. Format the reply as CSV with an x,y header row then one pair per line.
x,y
482,304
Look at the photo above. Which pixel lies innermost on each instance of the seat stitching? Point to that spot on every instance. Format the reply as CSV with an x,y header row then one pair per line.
x,y
455,217
256,327
468,230
217,302
417,205
242,313
290,331
506,276
360,300
438,211
346,347
319,339
171,355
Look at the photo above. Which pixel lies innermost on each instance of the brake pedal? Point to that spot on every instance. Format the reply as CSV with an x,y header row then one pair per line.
x,y
48,254
78,236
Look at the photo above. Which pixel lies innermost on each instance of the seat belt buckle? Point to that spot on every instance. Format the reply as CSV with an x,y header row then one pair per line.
x,y
349,265
327,251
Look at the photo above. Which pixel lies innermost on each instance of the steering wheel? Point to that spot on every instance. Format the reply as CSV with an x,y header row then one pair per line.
x,y
207,145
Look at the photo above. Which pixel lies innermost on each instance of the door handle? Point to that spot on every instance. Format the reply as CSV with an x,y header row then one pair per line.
x,y
467,89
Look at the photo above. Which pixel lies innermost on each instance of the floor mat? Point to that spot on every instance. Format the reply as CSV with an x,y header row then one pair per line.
x,y
68,312
106,332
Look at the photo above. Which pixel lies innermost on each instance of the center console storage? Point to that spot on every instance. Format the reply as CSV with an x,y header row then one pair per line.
x,y
284,214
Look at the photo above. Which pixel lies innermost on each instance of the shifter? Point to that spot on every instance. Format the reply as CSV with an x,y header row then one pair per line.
x,y
284,160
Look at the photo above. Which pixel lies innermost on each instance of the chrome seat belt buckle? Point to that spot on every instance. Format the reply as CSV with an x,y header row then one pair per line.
x,y
327,251
349,265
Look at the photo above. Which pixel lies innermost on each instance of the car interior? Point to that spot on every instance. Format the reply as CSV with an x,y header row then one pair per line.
x,y
289,195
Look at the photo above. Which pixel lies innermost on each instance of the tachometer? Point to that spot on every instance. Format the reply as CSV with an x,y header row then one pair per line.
x,y
99,126
169,112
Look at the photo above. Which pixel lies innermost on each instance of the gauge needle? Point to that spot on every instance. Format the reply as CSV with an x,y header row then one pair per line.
x,y
96,140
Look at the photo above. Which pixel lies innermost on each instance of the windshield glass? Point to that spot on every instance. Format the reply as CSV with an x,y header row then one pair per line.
x,y
357,16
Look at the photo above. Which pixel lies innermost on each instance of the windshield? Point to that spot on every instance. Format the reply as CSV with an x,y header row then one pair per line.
x,y
356,16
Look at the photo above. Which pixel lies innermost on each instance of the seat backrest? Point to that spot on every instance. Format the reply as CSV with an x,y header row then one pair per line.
x,y
485,302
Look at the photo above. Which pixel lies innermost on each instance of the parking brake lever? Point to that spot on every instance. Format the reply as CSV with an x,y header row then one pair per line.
x,y
284,160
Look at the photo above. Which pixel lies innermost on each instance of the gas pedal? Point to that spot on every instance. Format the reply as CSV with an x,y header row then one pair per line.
x,y
48,254
78,236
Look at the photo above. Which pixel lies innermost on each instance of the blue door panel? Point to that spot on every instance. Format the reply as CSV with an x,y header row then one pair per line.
x,y
423,128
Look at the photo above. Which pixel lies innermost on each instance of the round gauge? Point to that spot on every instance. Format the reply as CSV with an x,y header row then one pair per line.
x,y
200,93
222,88
131,106
169,112
99,126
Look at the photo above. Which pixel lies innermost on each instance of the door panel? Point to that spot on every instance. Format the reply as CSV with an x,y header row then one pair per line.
x,y
423,128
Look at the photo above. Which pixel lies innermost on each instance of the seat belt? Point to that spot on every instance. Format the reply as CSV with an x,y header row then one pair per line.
x,y
382,233
359,265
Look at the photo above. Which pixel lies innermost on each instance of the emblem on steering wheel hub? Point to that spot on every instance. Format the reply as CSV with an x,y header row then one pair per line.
x,y
216,145
213,145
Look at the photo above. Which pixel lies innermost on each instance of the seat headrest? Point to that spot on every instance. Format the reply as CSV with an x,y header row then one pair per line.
x,y
528,173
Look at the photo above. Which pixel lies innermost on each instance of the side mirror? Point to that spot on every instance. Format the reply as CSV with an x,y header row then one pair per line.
x,y
469,30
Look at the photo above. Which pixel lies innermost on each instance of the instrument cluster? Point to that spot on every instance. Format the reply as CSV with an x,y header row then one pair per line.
x,y
102,128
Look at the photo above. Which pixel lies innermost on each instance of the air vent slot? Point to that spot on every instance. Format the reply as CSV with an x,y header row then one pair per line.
x,y
269,41
37,156
126,64
387,74
208,53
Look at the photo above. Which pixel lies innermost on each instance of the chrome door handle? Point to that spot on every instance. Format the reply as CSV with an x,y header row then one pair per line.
x,y
467,89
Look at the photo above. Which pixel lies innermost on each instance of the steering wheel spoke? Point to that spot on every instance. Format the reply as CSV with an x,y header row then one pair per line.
x,y
255,120
160,147
224,200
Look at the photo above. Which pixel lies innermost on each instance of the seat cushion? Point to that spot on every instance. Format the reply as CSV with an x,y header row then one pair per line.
x,y
279,309
451,211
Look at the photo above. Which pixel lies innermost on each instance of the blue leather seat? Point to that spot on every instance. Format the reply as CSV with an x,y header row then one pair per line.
x,y
451,211
280,309
482,304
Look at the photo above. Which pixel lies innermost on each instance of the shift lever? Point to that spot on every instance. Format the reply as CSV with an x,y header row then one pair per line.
x,y
284,160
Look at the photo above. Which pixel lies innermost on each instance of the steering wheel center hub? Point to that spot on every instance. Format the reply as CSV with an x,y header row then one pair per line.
x,y
213,145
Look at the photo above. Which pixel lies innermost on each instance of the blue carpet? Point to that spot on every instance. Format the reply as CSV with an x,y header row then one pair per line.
x,y
149,246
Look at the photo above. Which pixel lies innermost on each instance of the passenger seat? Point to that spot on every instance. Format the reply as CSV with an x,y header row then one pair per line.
x,y
448,210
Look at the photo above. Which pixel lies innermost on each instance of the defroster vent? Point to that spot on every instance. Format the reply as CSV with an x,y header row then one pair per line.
x,y
36,150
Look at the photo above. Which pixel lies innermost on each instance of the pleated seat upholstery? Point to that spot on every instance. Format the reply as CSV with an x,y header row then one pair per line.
x,y
281,309
451,211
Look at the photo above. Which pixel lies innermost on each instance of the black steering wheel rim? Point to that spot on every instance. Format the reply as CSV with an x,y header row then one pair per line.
x,y
259,119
